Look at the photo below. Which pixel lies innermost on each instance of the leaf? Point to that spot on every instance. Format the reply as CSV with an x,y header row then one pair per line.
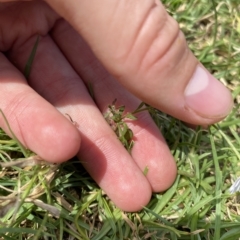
x,y
29,63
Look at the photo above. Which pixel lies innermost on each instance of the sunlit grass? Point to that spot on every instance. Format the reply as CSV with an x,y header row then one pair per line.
x,y
44,201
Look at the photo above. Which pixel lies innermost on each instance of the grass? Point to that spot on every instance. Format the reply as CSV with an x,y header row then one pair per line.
x,y
42,201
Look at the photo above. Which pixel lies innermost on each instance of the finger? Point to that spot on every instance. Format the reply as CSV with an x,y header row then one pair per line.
x,y
142,46
33,120
101,153
150,150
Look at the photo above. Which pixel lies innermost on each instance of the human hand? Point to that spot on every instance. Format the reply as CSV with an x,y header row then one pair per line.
x,y
145,52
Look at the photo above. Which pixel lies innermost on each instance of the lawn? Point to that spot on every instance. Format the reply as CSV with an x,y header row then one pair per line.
x,y
42,201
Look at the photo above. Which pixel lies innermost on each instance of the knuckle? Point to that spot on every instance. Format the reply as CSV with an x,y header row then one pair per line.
x,y
157,34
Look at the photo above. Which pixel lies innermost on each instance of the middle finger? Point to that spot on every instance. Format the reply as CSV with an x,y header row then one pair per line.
x,y
150,150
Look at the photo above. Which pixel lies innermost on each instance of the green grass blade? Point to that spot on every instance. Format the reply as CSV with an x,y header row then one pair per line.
x,y
218,191
23,149
29,63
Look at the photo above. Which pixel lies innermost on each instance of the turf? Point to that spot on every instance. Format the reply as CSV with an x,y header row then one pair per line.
x,y
42,201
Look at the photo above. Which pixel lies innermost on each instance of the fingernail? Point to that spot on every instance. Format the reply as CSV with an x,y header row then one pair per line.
x,y
207,96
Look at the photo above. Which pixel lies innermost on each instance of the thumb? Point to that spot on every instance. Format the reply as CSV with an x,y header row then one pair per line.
x,y
142,46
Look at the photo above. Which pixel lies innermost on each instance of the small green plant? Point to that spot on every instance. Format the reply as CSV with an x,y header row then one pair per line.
x,y
115,117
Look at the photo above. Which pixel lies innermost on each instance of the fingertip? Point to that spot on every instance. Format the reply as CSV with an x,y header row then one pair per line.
x,y
152,154
59,145
133,198
53,138
168,174
207,97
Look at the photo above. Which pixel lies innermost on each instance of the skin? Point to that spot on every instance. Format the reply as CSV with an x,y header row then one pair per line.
x,y
142,51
